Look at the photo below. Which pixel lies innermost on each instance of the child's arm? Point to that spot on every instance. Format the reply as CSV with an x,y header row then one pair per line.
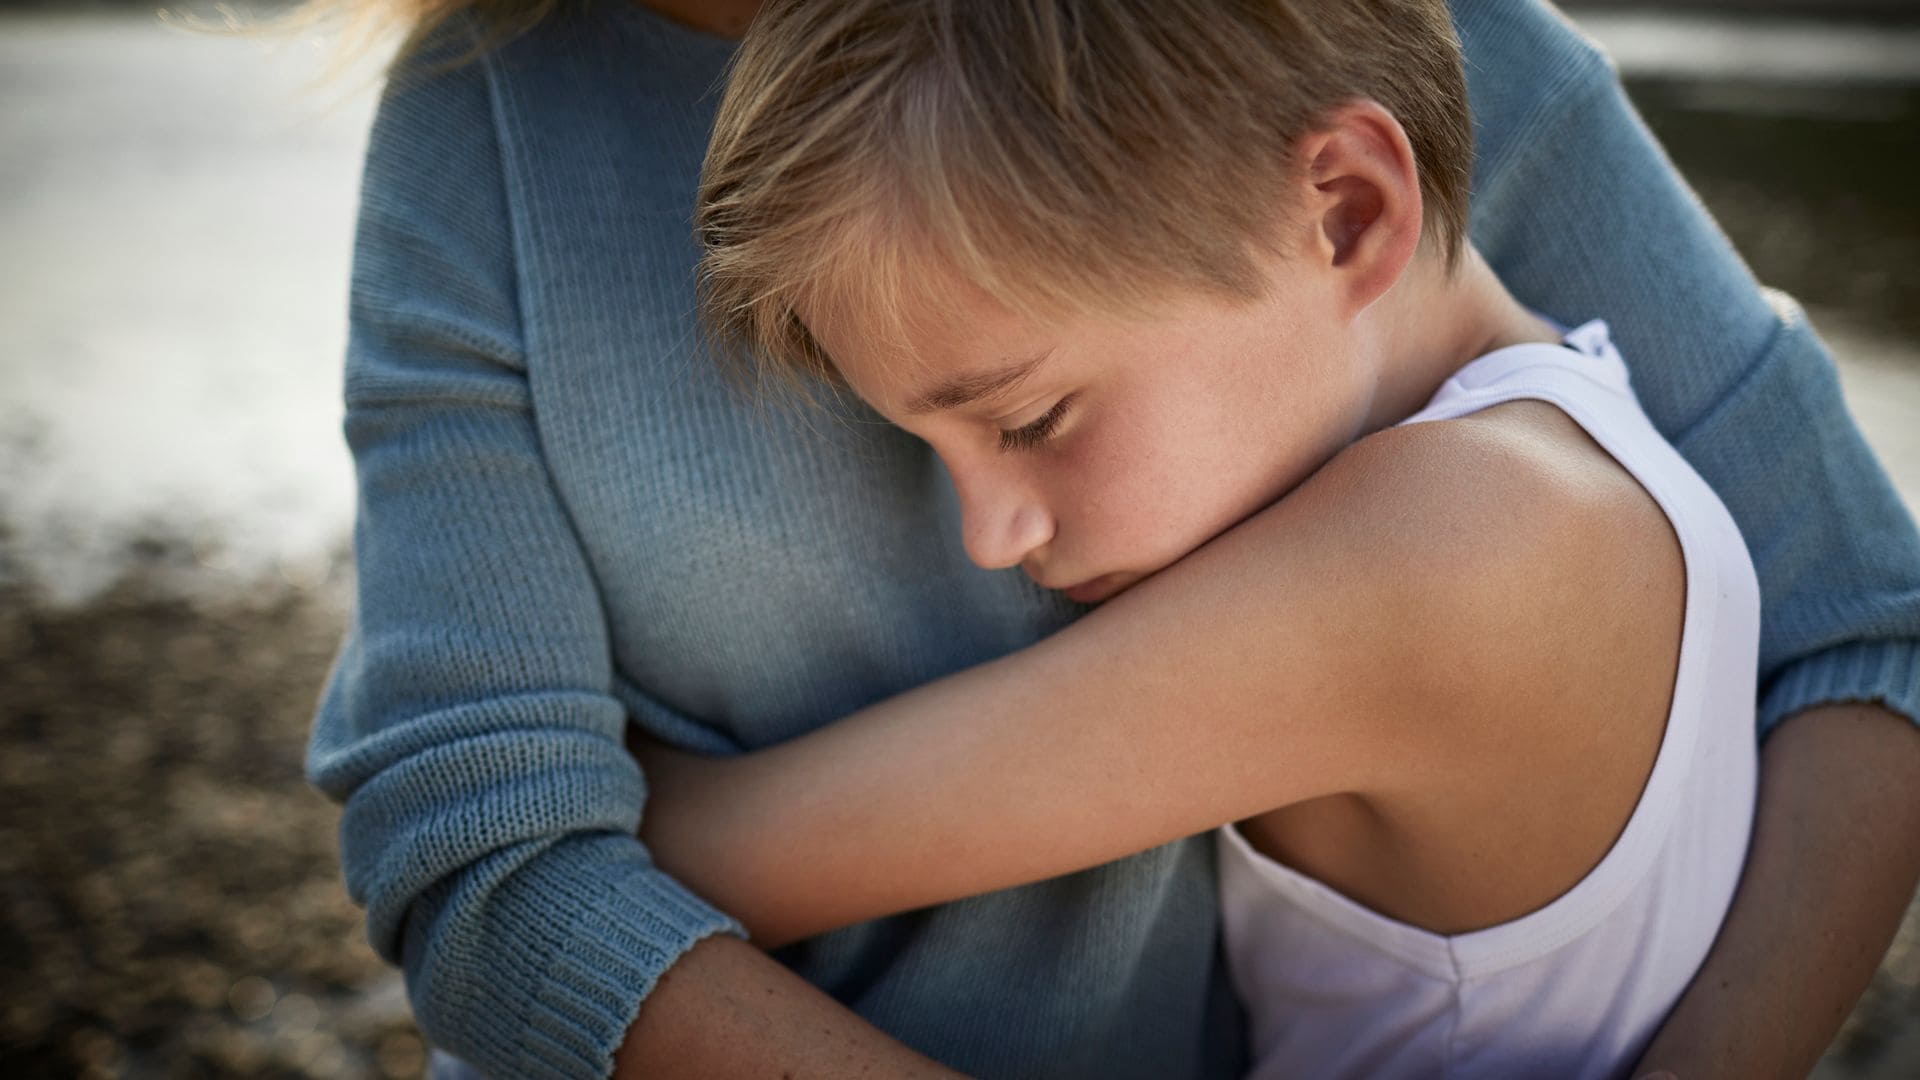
x,y
1361,630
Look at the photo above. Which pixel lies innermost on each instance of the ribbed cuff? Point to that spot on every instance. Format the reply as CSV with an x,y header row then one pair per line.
x,y
1883,672
593,925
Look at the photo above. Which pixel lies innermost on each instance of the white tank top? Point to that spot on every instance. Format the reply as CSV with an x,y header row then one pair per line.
x,y
1576,988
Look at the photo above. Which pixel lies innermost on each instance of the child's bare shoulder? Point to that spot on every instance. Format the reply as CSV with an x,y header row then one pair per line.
x,y
1514,493
1538,594
1536,565
1520,479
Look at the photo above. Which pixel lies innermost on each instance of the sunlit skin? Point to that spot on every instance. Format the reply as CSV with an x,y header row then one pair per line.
x,y
1132,439
1295,626
1094,450
1130,442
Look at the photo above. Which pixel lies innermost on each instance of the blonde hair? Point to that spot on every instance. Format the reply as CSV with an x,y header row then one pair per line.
x,y
363,24
1057,154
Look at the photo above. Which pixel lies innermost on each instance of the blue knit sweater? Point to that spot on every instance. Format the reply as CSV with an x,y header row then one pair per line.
x,y
567,522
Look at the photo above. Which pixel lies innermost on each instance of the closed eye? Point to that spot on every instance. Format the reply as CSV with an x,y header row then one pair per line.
x,y
1032,435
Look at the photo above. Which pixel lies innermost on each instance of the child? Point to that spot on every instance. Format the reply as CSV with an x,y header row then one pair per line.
x,y
1393,574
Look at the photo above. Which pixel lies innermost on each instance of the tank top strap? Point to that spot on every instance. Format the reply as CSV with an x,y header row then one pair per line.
x,y
1586,351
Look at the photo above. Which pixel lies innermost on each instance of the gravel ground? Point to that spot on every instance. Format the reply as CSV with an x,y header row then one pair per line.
x,y
170,899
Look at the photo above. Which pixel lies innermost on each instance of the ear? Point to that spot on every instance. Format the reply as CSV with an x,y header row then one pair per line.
x,y
1361,192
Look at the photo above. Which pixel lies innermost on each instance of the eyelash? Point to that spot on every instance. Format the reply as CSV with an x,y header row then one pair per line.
x,y
1032,435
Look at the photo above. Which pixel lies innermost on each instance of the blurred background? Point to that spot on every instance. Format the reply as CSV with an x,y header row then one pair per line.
x,y
175,497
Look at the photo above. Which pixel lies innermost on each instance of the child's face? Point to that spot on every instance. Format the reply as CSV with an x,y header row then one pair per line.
x,y
1093,451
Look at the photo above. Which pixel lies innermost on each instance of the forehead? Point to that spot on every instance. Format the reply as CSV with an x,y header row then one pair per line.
x,y
932,326
897,316
891,290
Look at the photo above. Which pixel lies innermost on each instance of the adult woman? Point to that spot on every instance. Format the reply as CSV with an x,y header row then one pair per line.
x,y
568,522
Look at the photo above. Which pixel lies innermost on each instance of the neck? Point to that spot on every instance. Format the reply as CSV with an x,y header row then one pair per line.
x,y
722,18
1431,324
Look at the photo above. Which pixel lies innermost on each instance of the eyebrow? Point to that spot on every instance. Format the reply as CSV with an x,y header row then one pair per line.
x,y
967,389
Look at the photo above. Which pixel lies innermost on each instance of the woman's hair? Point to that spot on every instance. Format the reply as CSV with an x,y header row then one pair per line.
x,y
1060,155
414,21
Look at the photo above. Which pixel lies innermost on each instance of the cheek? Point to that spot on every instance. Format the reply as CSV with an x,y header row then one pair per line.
x,y
1210,454
1141,490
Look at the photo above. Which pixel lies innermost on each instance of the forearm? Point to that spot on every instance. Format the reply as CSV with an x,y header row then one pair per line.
x,y
927,797
1287,678
1832,866
727,1009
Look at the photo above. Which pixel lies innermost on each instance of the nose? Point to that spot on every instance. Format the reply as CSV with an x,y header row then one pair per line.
x,y
1002,520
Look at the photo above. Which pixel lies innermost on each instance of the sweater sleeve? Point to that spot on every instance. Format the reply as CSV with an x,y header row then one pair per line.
x,y
468,726
1581,213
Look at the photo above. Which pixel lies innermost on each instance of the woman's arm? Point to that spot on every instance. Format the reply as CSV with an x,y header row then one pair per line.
x,y
1357,633
1765,1008
727,1009
468,725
